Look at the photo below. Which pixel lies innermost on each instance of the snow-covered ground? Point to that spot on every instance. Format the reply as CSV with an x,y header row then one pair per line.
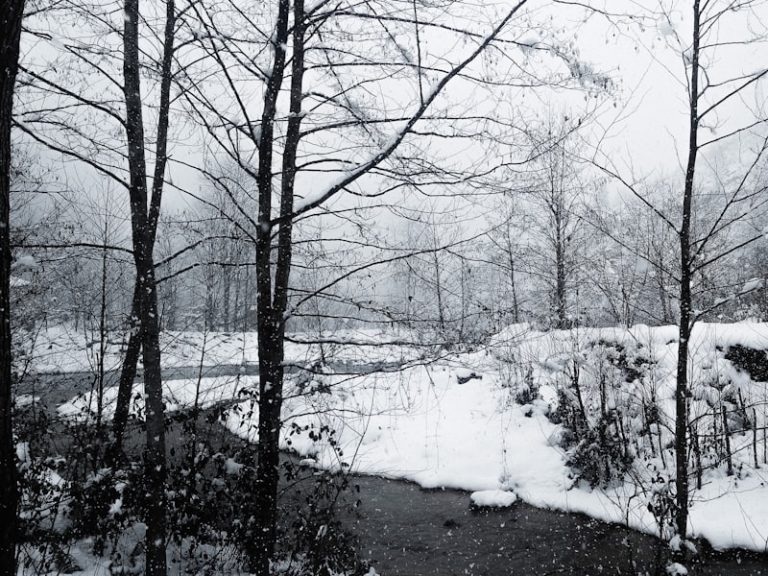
x,y
61,349
422,424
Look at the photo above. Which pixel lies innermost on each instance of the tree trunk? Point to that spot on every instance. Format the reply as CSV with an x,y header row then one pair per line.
x,y
127,377
155,463
686,317
102,333
513,288
439,292
665,319
271,310
130,362
226,278
560,286
143,226
11,12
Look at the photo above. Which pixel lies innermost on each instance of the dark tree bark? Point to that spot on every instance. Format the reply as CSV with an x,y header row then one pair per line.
x,y
127,376
273,267
512,278
681,390
11,13
270,324
135,337
144,225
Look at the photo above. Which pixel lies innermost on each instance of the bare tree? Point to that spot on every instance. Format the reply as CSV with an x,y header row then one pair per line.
x,y
11,13
144,219
557,193
306,33
115,148
714,31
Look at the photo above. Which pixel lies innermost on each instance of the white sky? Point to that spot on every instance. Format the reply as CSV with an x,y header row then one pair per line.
x,y
645,116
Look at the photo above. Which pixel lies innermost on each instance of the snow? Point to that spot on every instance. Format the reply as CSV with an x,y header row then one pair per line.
x,y
419,424
25,260
176,394
61,349
22,400
676,569
751,286
493,498
232,467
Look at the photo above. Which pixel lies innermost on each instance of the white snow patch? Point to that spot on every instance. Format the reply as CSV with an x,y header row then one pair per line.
x,y
676,569
493,498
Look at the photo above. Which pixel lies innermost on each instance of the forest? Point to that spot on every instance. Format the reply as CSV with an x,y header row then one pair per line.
x,y
359,287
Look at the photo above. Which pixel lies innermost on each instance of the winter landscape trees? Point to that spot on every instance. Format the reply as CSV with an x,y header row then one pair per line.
x,y
274,243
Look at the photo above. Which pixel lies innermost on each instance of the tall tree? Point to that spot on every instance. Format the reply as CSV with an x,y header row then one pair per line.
x,y
717,117
707,99
291,139
151,217
11,13
112,144
557,192
144,218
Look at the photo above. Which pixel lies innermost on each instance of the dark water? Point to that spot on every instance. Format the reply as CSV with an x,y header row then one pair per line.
x,y
404,530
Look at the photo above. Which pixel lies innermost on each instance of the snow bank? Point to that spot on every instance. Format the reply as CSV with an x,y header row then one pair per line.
x,y
420,424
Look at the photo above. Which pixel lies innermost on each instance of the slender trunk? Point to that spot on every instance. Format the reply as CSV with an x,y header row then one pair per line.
x,y
209,317
686,316
439,291
663,299
143,226
236,305
272,310
130,362
102,332
754,438
513,288
11,12
226,296
560,287
696,453
127,377
155,462
463,302
727,438
270,342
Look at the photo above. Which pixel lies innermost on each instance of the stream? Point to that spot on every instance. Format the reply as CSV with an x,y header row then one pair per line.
x,y
406,530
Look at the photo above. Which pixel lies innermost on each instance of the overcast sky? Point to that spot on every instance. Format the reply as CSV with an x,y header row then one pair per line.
x,y
643,116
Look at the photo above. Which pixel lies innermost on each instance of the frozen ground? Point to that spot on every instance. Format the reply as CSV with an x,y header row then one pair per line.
x,y
421,424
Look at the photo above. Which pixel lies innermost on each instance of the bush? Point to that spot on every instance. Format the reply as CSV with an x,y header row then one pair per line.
x,y
601,454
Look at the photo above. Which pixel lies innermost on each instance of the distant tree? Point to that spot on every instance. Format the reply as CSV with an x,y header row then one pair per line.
x,y
556,198
633,262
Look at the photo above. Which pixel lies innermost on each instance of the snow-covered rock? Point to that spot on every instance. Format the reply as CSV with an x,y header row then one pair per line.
x,y
493,498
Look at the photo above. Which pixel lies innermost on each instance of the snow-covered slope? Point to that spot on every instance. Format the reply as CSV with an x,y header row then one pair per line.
x,y
422,424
